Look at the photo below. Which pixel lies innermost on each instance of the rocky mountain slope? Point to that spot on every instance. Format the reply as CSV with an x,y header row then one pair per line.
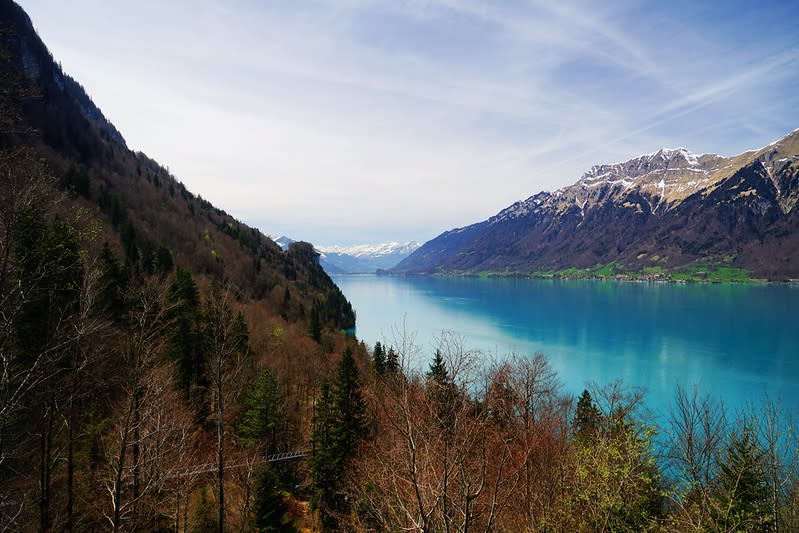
x,y
655,213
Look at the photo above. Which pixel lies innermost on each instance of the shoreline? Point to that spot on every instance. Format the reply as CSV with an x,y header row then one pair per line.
x,y
625,277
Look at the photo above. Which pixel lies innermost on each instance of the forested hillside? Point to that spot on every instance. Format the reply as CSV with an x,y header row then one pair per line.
x,y
138,324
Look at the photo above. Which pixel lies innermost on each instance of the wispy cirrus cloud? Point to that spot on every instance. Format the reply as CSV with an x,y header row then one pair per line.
x,y
368,120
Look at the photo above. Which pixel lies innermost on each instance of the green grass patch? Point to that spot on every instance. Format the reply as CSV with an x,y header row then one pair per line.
x,y
711,273
729,275
574,273
705,271
608,270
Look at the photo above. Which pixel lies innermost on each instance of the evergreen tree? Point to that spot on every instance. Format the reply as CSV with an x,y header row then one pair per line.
x,y
240,334
49,278
350,405
587,418
339,423
441,390
326,461
315,324
112,285
743,497
48,285
286,305
438,370
184,341
379,359
127,234
265,415
163,260
77,181
392,362
270,512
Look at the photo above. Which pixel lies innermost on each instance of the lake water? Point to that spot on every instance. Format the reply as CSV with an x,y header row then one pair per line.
x,y
736,342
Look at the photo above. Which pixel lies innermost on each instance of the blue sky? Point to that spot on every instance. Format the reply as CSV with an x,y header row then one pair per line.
x,y
357,121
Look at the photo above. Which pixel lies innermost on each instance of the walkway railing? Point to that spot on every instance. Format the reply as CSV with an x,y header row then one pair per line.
x,y
211,467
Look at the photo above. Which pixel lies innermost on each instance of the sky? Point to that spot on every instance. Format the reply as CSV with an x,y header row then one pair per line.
x,y
368,121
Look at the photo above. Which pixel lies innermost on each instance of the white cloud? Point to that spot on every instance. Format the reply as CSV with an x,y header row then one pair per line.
x,y
365,119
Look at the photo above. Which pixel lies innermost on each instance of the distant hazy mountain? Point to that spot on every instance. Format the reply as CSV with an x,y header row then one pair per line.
x,y
359,259
367,258
651,214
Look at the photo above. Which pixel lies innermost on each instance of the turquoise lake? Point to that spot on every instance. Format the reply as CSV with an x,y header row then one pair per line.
x,y
736,342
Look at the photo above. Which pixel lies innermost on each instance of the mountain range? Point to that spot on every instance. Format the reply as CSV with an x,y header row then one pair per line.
x,y
359,258
667,214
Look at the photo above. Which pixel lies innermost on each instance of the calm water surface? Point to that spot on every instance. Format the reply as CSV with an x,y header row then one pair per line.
x,y
737,342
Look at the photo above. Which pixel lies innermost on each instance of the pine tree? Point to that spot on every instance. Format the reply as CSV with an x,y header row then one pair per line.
x,y
441,390
326,460
339,423
240,334
743,495
379,359
286,305
265,414
392,362
49,278
438,370
587,418
48,284
184,343
350,405
112,285
315,324
270,512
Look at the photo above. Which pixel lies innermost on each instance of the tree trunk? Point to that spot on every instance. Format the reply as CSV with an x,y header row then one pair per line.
x,y
44,469
123,450
446,481
136,453
71,466
220,442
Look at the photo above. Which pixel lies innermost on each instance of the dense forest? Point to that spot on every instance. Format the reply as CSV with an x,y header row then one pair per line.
x,y
141,328
164,367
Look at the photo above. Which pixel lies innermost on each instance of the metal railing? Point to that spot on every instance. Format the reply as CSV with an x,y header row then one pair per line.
x,y
212,467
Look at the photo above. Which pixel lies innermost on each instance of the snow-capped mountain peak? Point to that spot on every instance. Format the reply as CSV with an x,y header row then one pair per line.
x,y
663,160
664,176
283,241
373,250
358,259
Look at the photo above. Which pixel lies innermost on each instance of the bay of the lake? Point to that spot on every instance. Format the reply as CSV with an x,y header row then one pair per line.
x,y
737,342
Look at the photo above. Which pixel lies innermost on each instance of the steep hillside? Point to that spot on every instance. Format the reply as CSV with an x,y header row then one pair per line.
x,y
667,211
144,212
143,331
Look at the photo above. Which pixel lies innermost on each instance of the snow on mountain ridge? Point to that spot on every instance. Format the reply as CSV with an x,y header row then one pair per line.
x,y
667,174
373,250
665,159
